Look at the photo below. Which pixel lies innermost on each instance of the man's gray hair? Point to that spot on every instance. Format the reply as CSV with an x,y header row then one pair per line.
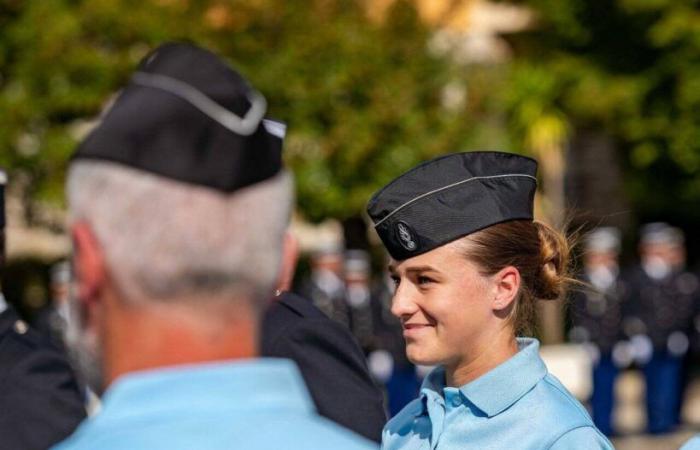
x,y
167,240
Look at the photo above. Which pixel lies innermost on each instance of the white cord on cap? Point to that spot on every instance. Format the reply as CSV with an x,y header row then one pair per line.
x,y
244,126
413,200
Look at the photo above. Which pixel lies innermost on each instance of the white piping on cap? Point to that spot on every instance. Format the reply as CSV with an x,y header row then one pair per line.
x,y
244,126
451,186
275,128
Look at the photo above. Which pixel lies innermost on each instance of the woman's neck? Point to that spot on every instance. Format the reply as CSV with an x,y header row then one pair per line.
x,y
483,357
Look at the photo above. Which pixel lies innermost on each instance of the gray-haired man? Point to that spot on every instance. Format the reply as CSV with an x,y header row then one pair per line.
x,y
179,206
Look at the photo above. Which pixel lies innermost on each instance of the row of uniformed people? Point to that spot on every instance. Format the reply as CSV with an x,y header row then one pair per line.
x,y
340,284
645,316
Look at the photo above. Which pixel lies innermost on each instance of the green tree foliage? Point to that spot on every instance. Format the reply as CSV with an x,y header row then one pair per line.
x,y
363,99
631,68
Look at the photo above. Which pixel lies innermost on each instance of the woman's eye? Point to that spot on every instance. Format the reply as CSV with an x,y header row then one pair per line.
x,y
424,280
396,281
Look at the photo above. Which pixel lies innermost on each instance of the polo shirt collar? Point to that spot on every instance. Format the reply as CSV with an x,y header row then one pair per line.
x,y
497,389
243,385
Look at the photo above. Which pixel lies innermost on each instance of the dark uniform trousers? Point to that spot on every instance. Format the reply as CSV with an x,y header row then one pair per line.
x,y
665,308
330,360
597,318
40,402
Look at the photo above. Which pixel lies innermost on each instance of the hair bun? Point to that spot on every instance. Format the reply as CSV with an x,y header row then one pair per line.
x,y
553,277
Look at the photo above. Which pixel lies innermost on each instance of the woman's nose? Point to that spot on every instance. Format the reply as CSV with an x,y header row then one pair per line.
x,y
402,304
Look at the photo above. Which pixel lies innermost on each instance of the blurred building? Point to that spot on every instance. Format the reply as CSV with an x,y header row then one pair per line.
x,y
470,30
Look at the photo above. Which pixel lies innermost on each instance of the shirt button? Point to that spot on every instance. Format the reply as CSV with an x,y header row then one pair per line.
x,y
456,400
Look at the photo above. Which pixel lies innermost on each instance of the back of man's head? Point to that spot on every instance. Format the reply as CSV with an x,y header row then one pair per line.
x,y
178,204
166,241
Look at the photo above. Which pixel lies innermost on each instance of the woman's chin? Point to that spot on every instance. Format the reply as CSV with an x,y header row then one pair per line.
x,y
421,358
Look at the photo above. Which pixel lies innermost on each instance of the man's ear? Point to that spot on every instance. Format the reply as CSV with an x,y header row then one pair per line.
x,y
290,255
88,262
506,286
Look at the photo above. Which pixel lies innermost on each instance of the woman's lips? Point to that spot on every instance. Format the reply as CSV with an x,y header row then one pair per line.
x,y
411,329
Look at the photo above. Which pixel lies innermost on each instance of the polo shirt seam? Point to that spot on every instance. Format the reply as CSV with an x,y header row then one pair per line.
x,y
570,400
568,431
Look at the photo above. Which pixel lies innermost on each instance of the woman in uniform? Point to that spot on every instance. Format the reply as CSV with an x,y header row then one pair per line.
x,y
470,264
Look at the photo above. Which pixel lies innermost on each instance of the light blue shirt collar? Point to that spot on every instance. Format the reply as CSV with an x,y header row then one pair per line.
x,y
498,389
255,384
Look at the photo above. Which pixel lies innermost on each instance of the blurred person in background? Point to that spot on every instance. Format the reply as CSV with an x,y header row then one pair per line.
x,y
40,402
660,296
325,286
470,264
388,361
330,359
357,278
52,319
178,209
596,314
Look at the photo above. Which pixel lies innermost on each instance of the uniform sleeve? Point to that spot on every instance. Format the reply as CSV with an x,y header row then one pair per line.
x,y
693,444
42,403
582,438
336,374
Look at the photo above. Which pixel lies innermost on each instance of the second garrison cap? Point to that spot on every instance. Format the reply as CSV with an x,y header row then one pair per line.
x,y
604,239
452,196
661,233
187,115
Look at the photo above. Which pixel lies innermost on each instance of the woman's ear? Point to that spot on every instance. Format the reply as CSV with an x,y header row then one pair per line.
x,y
507,286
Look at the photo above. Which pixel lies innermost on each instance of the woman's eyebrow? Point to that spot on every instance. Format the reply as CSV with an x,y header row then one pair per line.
x,y
412,270
421,269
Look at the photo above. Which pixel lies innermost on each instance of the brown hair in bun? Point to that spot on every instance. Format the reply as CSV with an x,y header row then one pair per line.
x,y
537,250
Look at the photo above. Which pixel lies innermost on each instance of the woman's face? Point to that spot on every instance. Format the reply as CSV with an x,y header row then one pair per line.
x,y
445,304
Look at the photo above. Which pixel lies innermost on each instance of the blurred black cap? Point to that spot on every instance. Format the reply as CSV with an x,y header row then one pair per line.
x,y
661,233
452,196
189,116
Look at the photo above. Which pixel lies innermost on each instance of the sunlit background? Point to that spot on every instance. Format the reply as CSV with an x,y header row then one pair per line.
x,y
605,93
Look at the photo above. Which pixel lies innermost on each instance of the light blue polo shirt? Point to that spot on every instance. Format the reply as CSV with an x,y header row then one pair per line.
x,y
516,406
692,444
252,404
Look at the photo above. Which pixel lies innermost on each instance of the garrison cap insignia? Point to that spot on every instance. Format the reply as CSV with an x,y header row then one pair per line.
x,y
405,236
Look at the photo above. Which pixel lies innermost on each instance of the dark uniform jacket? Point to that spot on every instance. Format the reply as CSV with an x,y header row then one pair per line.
x,y
331,363
597,315
40,402
388,332
659,308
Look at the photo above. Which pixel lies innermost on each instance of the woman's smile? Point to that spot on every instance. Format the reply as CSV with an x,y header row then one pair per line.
x,y
413,330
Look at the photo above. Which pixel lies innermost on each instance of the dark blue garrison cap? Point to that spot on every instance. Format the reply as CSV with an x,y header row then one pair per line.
x,y
452,196
187,115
